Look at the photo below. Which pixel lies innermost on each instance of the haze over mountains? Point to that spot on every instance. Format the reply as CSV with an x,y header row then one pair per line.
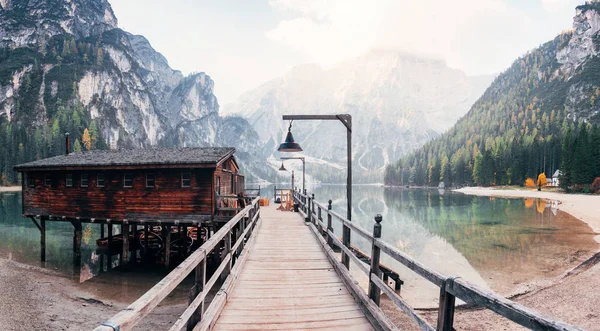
x,y
398,102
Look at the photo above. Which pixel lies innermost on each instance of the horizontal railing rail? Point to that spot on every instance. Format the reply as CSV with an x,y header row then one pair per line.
x,y
195,317
451,287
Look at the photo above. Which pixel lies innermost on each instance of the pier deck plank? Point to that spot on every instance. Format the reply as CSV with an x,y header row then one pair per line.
x,y
288,283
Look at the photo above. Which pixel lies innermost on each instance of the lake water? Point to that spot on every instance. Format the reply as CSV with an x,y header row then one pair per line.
x,y
501,244
507,245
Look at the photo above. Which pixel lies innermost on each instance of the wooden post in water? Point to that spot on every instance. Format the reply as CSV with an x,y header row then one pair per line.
x,y
77,243
125,251
43,240
146,251
329,226
101,255
446,307
374,291
167,235
109,246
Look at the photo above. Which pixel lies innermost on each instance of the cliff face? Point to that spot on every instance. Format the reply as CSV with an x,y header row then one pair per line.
x,y
31,23
580,65
398,102
66,66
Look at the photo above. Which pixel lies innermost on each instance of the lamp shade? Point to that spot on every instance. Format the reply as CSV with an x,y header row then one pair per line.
x,y
289,145
282,168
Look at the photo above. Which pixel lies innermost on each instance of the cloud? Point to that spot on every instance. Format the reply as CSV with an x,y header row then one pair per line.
x,y
478,36
554,6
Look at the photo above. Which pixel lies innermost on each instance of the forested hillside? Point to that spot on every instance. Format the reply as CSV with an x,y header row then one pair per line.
x,y
536,117
33,133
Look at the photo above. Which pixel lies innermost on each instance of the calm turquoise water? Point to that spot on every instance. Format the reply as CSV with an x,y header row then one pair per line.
x,y
496,243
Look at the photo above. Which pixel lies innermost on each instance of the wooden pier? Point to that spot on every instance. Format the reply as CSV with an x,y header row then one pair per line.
x,y
281,273
288,283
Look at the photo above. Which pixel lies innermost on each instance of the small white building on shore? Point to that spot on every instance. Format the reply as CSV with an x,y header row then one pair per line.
x,y
555,181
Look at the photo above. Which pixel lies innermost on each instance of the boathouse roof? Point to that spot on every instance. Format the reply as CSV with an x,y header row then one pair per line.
x,y
136,158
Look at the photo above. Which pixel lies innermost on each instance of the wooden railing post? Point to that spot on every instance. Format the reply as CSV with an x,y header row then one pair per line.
x,y
304,200
374,291
199,282
320,218
346,242
312,210
329,226
228,251
446,308
307,219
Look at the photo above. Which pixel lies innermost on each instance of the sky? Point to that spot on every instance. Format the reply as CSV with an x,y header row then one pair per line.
x,y
242,44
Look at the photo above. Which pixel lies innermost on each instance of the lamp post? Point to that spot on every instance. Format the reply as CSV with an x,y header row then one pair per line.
x,y
303,169
291,146
282,168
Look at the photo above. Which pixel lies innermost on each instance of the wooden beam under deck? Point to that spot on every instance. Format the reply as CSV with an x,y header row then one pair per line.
x,y
195,220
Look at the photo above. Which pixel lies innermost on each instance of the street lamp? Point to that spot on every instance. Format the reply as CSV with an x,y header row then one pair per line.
x,y
291,146
303,169
282,168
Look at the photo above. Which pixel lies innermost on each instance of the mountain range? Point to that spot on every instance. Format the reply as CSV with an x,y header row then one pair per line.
x,y
398,102
66,66
537,117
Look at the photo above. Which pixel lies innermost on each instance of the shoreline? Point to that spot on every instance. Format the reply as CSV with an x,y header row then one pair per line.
x,y
10,189
581,206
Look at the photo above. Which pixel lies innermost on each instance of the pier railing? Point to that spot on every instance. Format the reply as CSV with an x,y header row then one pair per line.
x,y
451,287
195,317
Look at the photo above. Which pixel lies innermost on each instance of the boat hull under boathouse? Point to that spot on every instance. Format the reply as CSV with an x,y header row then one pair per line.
x,y
166,199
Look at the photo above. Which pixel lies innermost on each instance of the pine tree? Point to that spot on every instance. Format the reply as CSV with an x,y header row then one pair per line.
x,y
77,146
93,134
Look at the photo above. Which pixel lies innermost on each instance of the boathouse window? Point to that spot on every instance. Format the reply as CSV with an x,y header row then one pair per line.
x,y
233,183
100,180
48,180
30,181
218,186
69,180
149,180
127,180
186,179
84,180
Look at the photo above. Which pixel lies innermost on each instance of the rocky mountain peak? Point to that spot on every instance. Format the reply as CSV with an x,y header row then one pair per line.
x,y
31,23
586,25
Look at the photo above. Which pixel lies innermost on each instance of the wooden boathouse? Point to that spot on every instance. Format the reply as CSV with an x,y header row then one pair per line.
x,y
154,194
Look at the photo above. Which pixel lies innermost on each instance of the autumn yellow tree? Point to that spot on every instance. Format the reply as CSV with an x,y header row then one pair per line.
x,y
87,140
529,182
541,181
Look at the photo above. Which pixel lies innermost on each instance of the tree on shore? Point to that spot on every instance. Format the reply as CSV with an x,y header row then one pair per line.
x,y
541,181
529,182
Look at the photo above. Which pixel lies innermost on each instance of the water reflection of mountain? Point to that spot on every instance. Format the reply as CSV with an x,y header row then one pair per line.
x,y
501,241
499,237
